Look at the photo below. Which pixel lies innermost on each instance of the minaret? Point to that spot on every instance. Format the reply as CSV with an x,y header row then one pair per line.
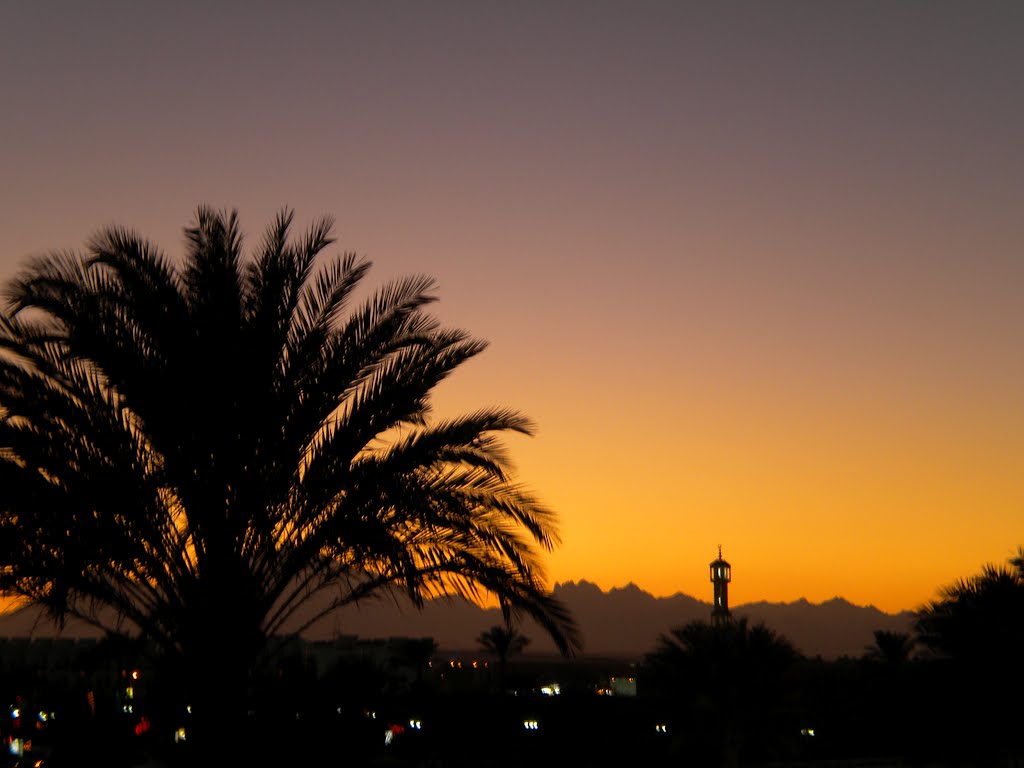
x,y
721,575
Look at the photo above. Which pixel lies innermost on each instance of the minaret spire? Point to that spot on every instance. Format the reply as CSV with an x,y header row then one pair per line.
x,y
721,575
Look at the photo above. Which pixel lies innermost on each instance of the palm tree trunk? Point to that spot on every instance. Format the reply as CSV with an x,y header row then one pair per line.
x,y
218,698
218,662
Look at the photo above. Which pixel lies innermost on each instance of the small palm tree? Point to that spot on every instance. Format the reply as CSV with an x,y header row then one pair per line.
x,y
894,648
728,681
502,641
198,449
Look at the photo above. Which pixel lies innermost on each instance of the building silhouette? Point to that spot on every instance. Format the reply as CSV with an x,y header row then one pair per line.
x,y
721,575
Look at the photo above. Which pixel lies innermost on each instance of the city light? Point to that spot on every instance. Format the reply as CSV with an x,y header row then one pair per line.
x,y
531,725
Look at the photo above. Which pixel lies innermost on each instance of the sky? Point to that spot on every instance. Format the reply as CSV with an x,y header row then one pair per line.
x,y
753,268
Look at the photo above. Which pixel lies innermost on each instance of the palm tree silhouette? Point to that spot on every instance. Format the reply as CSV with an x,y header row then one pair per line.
x,y
893,648
201,448
976,630
1017,561
979,619
502,641
728,680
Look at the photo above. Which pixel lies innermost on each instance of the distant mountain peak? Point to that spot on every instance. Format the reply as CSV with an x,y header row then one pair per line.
x,y
582,584
631,590
629,587
839,600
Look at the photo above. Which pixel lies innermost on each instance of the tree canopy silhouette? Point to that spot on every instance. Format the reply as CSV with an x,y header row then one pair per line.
x,y
502,641
729,680
979,619
976,630
893,648
204,446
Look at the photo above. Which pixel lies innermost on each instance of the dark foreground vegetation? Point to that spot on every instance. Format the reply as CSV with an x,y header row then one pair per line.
x,y
723,694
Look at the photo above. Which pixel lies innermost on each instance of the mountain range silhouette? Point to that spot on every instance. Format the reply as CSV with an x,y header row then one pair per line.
x,y
622,622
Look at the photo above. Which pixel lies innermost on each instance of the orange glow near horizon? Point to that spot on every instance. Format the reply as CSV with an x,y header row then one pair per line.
x,y
813,494
757,277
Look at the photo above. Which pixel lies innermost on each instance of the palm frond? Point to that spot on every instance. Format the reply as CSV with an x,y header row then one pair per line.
x,y
217,442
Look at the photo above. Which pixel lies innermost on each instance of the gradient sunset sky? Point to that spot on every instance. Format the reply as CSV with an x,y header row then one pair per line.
x,y
755,269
